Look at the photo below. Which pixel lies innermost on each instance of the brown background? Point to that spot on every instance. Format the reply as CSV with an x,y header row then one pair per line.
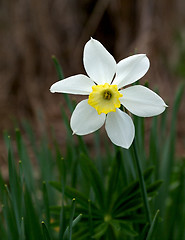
x,y
31,31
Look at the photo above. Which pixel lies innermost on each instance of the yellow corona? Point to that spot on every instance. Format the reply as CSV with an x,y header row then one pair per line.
x,y
105,98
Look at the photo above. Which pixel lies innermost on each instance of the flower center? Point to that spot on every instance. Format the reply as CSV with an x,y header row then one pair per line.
x,y
107,95
105,98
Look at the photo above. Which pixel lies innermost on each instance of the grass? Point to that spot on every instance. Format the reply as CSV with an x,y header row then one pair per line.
x,y
79,196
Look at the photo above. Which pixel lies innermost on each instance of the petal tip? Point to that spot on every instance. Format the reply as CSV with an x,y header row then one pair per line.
x,y
92,40
127,147
52,90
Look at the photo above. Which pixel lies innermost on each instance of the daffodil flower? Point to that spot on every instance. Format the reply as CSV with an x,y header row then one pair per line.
x,y
106,88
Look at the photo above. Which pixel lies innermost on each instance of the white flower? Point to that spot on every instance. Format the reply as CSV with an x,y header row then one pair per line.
x,y
105,85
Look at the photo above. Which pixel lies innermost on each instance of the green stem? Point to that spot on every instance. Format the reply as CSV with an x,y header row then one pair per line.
x,y
142,185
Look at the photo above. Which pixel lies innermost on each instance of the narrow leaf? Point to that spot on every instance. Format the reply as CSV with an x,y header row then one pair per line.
x,y
149,235
45,232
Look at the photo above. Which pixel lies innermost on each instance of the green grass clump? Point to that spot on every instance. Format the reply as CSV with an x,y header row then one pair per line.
x,y
79,195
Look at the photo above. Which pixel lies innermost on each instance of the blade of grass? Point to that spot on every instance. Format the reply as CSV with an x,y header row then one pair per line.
x,y
31,136
15,190
60,77
26,165
71,218
92,176
1,187
151,229
3,230
9,216
90,219
129,165
46,202
62,219
32,217
113,178
154,141
168,157
45,231
74,222
177,197
68,231
22,233
142,185
58,68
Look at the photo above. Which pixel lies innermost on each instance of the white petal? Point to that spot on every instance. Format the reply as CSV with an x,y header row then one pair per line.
x,y
85,119
120,128
142,101
131,69
98,62
78,84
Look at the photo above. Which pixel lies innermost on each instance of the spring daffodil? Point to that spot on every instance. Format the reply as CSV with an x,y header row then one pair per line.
x,y
106,89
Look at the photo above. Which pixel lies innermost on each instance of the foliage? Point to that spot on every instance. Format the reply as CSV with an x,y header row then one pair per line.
x,y
79,195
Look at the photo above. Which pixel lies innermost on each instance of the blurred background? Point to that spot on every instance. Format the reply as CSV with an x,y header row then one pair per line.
x,y
31,31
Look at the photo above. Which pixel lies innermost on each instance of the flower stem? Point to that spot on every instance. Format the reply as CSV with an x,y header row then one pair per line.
x,y
142,184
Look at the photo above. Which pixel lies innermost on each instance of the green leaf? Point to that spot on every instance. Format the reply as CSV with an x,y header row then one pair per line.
x,y
149,235
60,77
92,176
22,233
113,180
68,230
61,164
15,190
128,163
58,68
152,188
46,202
32,221
26,165
71,219
100,230
168,157
67,125
131,192
73,193
121,226
3,230
82,233
154,143
45,232
1,187
9,217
